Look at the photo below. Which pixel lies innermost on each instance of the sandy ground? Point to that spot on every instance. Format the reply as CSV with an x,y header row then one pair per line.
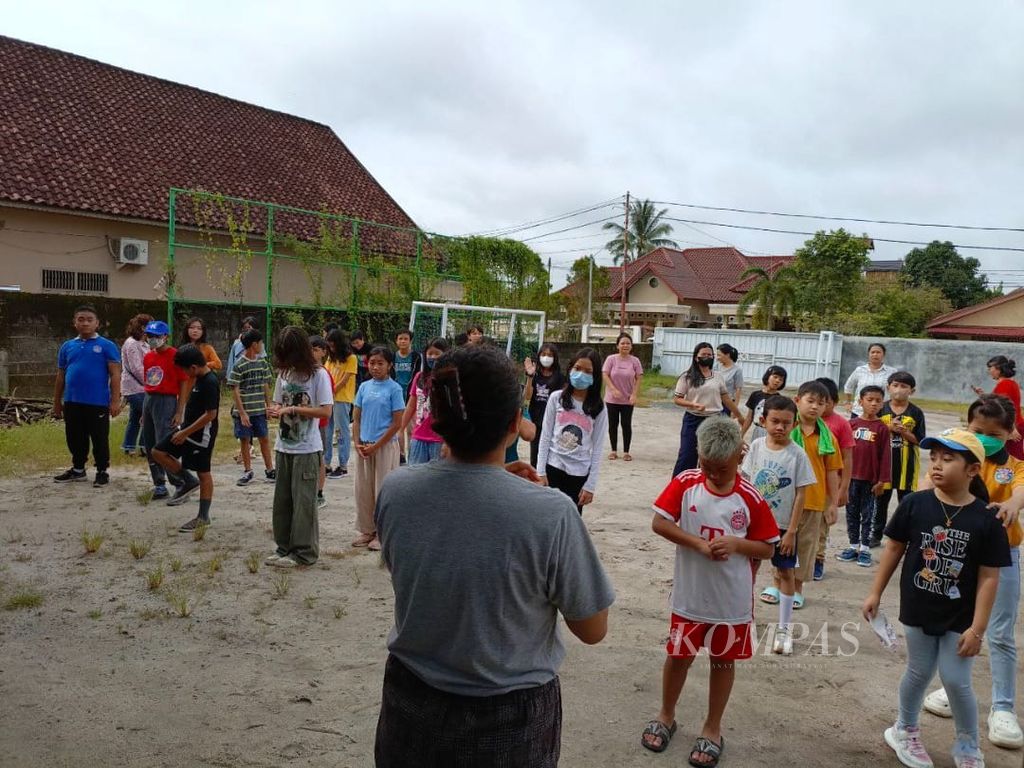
x,y
106,673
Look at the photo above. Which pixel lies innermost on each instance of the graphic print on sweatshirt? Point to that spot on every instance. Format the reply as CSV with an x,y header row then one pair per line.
x,y
572,431
295,428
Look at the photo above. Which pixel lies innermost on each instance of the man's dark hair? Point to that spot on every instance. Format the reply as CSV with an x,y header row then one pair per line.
x,y
188,355
250,337
872,389
904,377
831,386
778,403
815,388
87,308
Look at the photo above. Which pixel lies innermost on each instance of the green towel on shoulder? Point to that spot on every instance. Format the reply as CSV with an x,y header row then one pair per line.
x,y
826,443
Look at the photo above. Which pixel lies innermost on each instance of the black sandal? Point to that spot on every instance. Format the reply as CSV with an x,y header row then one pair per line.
x,y
661,731
707,747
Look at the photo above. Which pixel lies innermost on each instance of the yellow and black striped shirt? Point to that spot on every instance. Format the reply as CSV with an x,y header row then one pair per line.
x,y
905,456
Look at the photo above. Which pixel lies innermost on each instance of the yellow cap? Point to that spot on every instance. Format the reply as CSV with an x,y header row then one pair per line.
x,y
958,440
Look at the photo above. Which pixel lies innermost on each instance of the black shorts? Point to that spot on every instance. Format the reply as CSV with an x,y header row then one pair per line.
x,y
422,726
191,454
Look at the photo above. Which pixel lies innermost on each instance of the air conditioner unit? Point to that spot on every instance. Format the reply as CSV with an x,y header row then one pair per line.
x,y
132,252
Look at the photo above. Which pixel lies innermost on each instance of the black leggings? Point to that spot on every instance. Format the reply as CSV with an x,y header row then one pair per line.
x,y
614,412
570,485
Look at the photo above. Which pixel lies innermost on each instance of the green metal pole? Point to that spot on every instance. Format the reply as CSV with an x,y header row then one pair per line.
x,y
171,205
353,294
270,271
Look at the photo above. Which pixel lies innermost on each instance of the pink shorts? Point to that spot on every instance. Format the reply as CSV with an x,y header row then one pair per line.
x,y
728,642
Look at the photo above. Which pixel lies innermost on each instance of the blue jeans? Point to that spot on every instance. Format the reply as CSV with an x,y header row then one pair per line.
x,y
925,654
339,421
134,429
860,512
422,452
687,458
1002,648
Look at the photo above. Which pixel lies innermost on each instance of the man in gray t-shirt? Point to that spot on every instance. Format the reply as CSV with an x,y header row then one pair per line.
x,y
482,562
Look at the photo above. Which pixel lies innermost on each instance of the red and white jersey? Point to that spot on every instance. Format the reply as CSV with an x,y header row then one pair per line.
x,y
715,591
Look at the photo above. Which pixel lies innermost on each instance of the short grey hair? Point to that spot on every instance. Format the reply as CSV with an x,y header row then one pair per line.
x,y
719,438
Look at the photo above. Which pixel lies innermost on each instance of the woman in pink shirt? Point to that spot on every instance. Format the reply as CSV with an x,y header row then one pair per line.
x,y
426,444
622,373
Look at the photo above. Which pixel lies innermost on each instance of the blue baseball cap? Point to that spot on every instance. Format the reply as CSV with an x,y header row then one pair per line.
x,y
157,328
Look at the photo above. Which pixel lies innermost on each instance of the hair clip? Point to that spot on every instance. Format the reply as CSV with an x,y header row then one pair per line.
x,y
455,398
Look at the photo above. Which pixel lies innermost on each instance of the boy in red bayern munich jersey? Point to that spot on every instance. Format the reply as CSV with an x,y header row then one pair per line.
x,y
719,522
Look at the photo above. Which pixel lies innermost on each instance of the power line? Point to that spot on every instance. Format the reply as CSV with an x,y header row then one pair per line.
x,y
507,230
812,234
842,218
570,229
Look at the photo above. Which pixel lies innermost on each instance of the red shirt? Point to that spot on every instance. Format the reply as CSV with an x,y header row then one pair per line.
x,y
840,428
872,460
1010,389
162,376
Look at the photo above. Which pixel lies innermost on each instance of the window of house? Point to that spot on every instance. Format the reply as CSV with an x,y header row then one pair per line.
x,y
653,282
75,282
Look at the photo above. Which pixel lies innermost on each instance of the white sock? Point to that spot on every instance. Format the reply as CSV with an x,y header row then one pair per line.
x,y
786,611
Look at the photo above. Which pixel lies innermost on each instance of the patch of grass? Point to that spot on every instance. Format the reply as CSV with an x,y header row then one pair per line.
x,y
941,406
23,598
357,578
339,612
282,583
91,541
175,565
149,614
144,497
199,532
155,578
181,603
94,614
139,549
214,564
252,562
309,600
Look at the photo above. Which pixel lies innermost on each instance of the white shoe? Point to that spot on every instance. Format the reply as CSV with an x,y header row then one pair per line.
x,y
272,558
1004,730
937,703
783,642
285,562
967,761
906,743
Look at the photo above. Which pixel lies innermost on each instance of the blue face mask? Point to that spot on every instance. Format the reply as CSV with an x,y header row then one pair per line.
x,y
580,380
430,362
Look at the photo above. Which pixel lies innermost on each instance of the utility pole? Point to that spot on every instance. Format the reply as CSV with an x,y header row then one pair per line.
x,y
625,263
590,298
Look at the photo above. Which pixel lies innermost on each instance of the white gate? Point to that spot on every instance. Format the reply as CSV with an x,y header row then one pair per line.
x,y
805,356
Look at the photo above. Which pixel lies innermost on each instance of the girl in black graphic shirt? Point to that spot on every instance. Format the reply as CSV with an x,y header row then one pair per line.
x,y
543,376
952,548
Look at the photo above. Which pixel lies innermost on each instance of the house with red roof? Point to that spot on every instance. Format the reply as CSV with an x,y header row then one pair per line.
x,y
693,287
89,152
998,319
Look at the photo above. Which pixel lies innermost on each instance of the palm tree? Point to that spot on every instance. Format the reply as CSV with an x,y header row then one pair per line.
x,y
646,231
772,296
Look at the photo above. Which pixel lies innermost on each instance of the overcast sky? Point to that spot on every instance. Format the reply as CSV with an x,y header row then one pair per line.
x,y
476,117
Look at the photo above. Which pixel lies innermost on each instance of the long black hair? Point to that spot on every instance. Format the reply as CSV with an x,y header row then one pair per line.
x,y
186,339
474,399
729,351
592,402
694,376
775,370
292,352
1007,368
338,349
553,350
995,407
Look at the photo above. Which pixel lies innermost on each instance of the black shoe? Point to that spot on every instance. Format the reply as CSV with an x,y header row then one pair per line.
x,y
401,459
191,525
335,473
875,543
71,476
102,478
271,475
181,495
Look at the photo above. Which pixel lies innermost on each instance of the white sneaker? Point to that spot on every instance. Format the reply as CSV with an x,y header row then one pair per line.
x,y
783,642
272,558
937,703
1004,730
285,562
906,743
968,761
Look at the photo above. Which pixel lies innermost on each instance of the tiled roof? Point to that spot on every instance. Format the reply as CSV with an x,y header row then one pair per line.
x,y
956,314
80,135
979,331
702,274
770,264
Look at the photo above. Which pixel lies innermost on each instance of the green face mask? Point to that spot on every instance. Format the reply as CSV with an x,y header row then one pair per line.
x,y
992,445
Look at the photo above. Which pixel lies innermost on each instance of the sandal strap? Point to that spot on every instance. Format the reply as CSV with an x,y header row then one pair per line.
x,y
706,746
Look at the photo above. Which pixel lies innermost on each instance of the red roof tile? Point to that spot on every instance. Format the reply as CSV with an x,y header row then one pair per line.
x,y
81,135
770,264
702,274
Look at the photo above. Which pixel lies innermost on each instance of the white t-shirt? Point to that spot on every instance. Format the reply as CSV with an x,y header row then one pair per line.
x,y
776,474
571,440
301,434
715,591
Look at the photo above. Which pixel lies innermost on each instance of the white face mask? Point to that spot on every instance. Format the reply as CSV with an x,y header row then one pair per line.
x,y
155,342
547,361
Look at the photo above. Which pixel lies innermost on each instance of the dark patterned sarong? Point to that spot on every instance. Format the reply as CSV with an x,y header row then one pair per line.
x,y
422,727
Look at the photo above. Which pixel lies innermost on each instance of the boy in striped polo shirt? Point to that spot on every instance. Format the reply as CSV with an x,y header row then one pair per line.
x,y
249,380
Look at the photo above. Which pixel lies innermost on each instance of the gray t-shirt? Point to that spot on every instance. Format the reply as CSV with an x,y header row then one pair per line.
x,y
481,563
778,474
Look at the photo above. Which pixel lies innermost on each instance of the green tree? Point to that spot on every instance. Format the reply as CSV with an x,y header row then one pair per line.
x,y
940,265
772,295
893,311
829,274
646,232
500,273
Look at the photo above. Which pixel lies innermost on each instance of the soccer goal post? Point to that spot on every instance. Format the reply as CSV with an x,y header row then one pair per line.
x,y
519,331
